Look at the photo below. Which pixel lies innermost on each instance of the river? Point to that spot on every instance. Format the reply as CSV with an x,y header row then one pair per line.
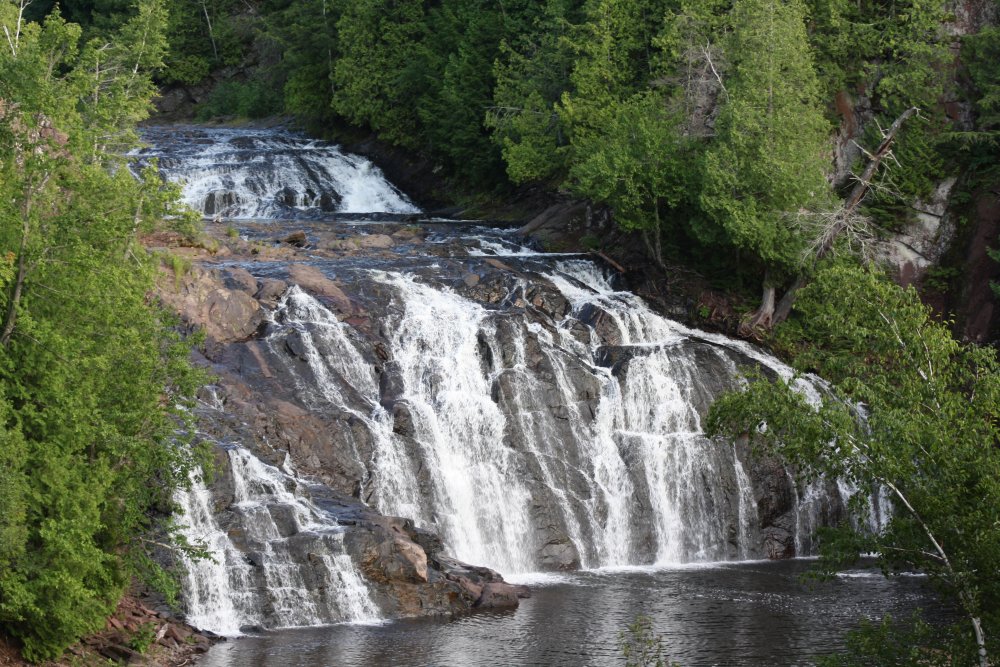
x,y
754,613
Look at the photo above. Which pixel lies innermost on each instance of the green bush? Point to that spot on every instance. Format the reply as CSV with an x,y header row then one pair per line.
x,y
243,100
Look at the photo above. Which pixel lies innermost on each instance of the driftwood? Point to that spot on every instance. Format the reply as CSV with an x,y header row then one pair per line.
x,y
615,265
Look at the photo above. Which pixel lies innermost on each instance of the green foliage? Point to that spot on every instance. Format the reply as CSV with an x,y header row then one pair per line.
x,y
305,34
253,99
897,51
532,71
179,266
766,163
980,53
918,167
384,67
939,278
637,163
143,638
892,644
204,35
932,421
640,647
92,376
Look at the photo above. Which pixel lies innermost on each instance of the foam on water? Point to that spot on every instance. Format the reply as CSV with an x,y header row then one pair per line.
x,y
244,173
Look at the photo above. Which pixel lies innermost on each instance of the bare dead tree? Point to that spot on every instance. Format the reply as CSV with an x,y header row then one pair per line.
x,y
211,33
846,222
704,67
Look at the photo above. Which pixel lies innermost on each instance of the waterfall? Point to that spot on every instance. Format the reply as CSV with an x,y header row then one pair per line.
x,y
244,173
278,561
532,444
551,422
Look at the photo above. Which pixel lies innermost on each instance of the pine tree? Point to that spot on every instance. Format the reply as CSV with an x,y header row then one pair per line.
x,y
768,158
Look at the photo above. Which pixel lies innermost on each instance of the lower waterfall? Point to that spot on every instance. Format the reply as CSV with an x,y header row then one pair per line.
x,y
541,440
289,569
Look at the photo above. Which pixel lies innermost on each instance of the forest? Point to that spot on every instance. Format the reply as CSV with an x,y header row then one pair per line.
x,y
712,130
651,108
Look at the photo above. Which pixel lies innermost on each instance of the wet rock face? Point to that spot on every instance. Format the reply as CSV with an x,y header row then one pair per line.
x,y
414,577
548,397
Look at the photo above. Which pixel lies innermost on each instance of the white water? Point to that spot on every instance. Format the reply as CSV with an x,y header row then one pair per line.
x,y
291,569
242,173
504,429
531,442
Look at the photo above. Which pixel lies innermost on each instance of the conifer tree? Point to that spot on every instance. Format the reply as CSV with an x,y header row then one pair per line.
x,y
91,373
768,158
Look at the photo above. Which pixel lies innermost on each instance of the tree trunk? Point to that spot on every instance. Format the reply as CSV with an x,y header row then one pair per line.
x,y
784,307
10,318
211,33
763,317
977,628
655,246
655,252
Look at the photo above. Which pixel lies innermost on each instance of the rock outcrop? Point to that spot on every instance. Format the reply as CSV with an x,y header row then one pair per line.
x,y
218,302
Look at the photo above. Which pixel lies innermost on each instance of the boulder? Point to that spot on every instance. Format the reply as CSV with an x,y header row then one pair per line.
x,y
409,234
498,595
402,420
238,278
297,239
390,556
203,300
312,279
270,292
559,554
376,241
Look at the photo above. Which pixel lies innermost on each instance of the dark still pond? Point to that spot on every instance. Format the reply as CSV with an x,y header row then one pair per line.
x,y
756,613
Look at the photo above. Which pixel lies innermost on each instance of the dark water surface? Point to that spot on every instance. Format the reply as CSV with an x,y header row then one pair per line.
x,y
726,614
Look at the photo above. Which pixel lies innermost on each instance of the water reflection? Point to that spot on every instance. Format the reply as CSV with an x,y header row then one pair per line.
x,y
735,614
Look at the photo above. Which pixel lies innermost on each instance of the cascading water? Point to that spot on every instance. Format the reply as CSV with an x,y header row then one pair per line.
x,y
242,173
548,422
289,568
511,423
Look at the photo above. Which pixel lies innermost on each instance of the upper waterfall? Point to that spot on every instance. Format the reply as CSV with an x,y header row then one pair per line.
x,y
245,173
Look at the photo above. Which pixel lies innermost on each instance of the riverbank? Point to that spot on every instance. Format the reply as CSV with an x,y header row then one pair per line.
x,y
135,635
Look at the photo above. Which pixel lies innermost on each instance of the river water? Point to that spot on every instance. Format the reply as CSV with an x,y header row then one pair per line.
x,y
753,613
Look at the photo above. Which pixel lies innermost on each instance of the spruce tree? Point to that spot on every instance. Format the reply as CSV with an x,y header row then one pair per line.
x,y
768,158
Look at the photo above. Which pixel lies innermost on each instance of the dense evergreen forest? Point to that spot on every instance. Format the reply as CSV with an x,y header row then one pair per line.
x,y
706,126
93,378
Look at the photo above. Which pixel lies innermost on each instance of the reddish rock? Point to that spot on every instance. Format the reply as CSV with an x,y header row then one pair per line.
x,y
498,595
270,292
379,241
202,300
312,279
